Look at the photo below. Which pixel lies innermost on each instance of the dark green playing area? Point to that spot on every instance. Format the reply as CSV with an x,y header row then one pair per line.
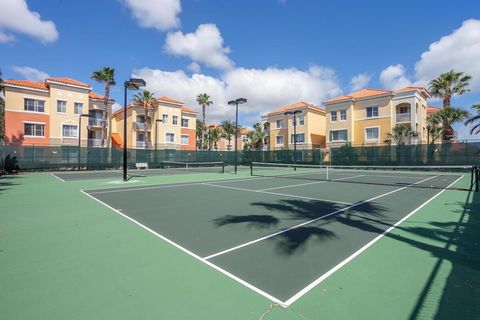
x,y
279,235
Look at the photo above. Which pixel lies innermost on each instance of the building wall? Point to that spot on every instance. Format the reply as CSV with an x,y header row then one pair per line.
x,y
339,124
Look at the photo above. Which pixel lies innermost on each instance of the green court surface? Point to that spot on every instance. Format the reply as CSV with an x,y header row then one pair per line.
x,y
389,245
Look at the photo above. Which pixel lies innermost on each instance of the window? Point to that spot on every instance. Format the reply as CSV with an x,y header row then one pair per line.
x,y
77,107
34,105
61,106
170,137
175,120
300,138
371,133
372,111
185,139
140,119
338,135
279,140
140,137
184,123
279,124
69,131
404,109
34,129
165,119
333,116
301,120
343,115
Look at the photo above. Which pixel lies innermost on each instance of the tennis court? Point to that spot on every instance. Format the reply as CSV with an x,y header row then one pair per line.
x,y
286,228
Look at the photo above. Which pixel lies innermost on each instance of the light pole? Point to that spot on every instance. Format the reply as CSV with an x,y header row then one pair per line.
x,y
236,103
132,84
294,135
156,137
80,137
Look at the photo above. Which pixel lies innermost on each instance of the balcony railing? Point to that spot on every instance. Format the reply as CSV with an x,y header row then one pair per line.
x,y
142,126
95,122
403,117
141,144
94,142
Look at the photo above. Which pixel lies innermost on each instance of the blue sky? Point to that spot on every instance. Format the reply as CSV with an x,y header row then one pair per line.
x,y
272,52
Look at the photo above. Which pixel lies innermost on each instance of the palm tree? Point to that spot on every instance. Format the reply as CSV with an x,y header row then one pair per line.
x,y
434,128
146,99
260,136
105,75
448,117
215,135
475,118
229,130
204,101
399,134
199,133
449,84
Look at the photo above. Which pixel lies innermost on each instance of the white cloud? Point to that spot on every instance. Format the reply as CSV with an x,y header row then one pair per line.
x,y
16,17
159,14
30,73
194,67
116,106
459,51
394,77
265,89
360,81
205,46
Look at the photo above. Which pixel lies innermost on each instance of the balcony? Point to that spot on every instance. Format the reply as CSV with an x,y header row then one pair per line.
x,y
94,142
95,122
141,144
141,126
403,117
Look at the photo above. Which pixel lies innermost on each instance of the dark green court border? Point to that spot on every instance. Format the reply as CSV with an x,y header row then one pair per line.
x,y
182,228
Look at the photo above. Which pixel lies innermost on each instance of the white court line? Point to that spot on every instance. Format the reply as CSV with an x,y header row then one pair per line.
x,y
228,274
311,221
168,185
274,193
359,251
54,175
309,183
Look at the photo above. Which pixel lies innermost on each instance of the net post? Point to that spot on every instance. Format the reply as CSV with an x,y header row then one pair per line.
x,y
251,168
223,167
477,170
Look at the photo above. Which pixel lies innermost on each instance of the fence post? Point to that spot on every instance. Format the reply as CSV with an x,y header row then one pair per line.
x,y
33,156
466,152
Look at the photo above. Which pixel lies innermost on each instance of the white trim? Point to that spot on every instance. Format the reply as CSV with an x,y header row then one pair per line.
x,y
56,106
26,111
373,118
276,143
89,88
24,87
340,129
34,122
372,106
65,123
39,137
362,249
181,137
365,138
336,116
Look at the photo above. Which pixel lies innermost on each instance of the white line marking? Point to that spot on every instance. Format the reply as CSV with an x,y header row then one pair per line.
x,y
168,185
54,175
309,183
310,221
228,274
359,251
274,193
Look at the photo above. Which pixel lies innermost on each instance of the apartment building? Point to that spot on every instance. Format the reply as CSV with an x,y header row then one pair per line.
x,y
170,125
310,126
47,113
366,116
224,145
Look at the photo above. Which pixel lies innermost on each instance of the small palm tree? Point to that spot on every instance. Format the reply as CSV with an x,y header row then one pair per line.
x,y
475,118
434,128
448,117
229,130
199,133
215,135
105,75
147,100
260,136
449,84
400,134
204,101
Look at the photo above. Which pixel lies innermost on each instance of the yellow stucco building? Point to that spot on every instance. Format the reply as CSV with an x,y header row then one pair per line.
x,y
310,126
368,115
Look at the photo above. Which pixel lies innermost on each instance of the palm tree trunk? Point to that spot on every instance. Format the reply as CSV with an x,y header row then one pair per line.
x,y
203,124
147,132
105,113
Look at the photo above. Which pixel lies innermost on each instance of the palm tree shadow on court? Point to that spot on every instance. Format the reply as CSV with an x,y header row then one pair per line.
x,y
295,240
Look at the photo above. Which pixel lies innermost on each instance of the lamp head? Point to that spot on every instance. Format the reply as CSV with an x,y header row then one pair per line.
x,y
135,83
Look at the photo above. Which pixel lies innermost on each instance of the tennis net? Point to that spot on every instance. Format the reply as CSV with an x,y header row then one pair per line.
x,y
437,177
215,166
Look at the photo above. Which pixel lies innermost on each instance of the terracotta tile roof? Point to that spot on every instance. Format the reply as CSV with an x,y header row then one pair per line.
x,y
243,131
94,95
167,99
432,109
27,83
69,81
187,109
294,106
369,92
